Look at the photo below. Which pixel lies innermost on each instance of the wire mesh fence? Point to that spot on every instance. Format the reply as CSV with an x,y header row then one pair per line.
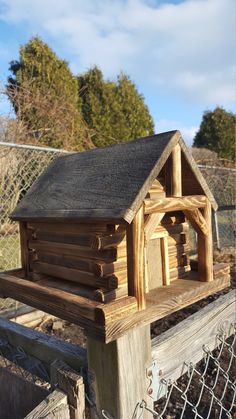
x,y
19,168
15,359
206,391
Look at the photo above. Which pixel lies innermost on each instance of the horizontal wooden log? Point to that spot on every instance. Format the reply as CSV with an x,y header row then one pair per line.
x,y
107,241
108,255
101,269
46,295
183,343
221,269
177,239
98,268
69,228
175,228
174,204
178,249
105,296
66,261
116,310
86,278
178,260
85,240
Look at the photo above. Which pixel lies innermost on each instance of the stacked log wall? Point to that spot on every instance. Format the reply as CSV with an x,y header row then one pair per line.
x,y
89,255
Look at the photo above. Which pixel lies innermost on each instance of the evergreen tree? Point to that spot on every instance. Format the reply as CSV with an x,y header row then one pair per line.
x,y
217,133
115,111
44,94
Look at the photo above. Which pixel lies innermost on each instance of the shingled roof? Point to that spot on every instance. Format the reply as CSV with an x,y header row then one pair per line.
x,y
105,183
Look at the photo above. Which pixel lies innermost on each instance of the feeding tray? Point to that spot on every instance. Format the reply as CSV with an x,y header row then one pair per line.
x,y
105,237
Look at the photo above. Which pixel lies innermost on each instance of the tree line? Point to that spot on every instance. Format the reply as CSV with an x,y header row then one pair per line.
x,y
53,107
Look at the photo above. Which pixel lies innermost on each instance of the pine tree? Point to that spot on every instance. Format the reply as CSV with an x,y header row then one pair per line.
x,y
217,133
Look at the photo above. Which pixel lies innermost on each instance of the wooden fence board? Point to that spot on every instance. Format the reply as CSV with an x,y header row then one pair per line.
x,y
41,346
184,342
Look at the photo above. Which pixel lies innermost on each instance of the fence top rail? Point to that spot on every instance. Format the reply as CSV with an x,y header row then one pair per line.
x,y
33,147
207,166
44,347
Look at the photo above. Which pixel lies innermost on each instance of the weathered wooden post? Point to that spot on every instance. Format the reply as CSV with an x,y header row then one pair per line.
x,y
120,372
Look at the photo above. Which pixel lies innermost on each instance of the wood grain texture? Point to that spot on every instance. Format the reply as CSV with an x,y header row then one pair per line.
x,y
69,228
183,342
24,247
166,300
172,218
135,257
115,310
120,380
165,261
43,297
176,171
154,264
18,396
205,248
160,302
71,383
151,223
71,188
44,347
54,406
174,204
108,255
197,221
105,296
86,278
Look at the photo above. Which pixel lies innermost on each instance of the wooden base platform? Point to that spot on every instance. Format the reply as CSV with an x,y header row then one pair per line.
x,y
107,322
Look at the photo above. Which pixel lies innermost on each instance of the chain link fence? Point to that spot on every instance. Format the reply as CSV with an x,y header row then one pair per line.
x,y
20,165
206,391
15,359
222,182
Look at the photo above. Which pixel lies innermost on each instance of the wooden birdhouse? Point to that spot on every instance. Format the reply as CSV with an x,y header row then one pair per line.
x,y
105,236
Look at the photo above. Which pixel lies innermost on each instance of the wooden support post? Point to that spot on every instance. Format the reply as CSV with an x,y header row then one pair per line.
x,y
24,247
205,248
165,261
135,255
71,383
176,171
119,369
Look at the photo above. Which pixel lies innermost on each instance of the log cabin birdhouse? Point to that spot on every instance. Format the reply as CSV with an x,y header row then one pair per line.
x,y
105,236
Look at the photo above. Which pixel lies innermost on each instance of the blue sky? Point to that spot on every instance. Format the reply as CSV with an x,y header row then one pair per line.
x,y
180,54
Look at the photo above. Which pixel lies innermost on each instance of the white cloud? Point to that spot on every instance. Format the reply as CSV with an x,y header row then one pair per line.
x,y
186,49
188,132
